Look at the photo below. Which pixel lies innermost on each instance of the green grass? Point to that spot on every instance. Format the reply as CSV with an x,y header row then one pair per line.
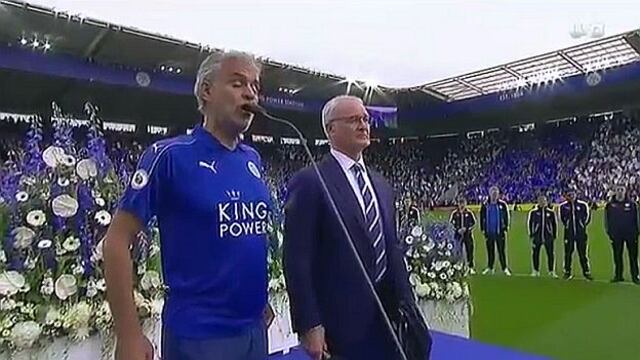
x,y
552,317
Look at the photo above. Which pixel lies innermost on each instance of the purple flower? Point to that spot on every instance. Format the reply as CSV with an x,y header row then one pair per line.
x,y
83,223
32,162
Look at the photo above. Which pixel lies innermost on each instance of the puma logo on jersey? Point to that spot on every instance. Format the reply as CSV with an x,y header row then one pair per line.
x,y
211,166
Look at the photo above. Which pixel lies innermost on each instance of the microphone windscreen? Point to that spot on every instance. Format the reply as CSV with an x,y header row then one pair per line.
x,y
254,108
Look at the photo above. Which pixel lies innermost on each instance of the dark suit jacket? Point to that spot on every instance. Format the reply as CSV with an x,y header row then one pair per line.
x,y
324,283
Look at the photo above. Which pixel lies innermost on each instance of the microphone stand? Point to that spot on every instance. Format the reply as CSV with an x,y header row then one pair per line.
x,y
258,110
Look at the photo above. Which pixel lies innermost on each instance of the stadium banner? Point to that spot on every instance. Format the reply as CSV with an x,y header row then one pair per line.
x,y
70,67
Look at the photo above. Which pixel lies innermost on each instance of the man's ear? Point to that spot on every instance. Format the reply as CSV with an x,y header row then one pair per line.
x,y
207,90
330,127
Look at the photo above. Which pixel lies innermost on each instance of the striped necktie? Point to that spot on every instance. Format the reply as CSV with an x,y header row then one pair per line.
x,y
373,223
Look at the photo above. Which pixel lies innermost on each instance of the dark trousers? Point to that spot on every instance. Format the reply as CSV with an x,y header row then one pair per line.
x,y
498,240
570,244
377,343
548,248
467,243
249,345
632,248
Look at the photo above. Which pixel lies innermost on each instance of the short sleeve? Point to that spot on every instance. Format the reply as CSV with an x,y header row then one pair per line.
x,y
141,196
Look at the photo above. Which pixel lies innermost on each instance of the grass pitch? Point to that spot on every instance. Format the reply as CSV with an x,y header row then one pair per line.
x,y
572,320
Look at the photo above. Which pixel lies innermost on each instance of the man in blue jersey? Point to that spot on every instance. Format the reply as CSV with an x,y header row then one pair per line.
x,y
494,223
211,203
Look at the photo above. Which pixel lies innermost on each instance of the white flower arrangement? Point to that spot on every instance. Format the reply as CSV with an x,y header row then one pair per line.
x,y
62,182
435,261
24,334
11,282
103,217
76,320
71,244
66,286
277,283
55,212
47,287
22,196
23,236
65,206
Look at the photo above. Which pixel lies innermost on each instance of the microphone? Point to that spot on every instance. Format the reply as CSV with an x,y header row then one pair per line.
x,y
259,110
254,108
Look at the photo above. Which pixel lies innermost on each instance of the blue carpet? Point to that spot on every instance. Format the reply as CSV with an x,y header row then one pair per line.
x,y
447,347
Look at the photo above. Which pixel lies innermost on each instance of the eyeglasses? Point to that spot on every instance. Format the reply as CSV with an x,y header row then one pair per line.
x,y
353,120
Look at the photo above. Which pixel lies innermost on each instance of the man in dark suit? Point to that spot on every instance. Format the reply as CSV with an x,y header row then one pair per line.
x,y
333,309
621,224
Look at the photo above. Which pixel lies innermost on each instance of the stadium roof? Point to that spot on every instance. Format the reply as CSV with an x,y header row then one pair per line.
x,y
542,69
108,43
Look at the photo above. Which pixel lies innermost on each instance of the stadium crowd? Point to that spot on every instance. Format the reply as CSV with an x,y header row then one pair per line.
x,y
592,156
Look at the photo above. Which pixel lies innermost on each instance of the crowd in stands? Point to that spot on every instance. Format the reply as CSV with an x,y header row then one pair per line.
x,y
613,159
532,163
589,155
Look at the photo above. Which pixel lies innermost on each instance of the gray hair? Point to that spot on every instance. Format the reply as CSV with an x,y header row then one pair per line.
x,y
330,107
211,65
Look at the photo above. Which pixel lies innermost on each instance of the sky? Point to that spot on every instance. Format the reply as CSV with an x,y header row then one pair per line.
x,y
397,43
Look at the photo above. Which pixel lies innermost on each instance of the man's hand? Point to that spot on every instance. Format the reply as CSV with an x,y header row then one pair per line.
x,y
314,343
461,231
134,348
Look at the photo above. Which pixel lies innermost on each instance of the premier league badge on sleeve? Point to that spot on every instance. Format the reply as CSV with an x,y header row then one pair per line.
x,y
139,179
254,169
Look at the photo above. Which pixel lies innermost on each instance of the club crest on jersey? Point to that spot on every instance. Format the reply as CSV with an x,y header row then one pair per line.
x,y
254,169
139,179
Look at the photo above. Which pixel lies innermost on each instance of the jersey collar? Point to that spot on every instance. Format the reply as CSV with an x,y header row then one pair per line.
x,y
203,135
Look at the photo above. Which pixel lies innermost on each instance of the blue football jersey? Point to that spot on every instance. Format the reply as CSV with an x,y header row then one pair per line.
x,y
212,208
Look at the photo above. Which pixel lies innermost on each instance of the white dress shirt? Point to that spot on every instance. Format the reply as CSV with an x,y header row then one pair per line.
x,y
346,163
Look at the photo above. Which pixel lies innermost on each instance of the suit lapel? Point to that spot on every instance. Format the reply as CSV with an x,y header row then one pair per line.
x,y
348,206
341,189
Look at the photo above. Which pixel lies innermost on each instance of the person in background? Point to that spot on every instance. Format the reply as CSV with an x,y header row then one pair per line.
x,y
621,223
575,217
410,213
464,221
543,228
494,223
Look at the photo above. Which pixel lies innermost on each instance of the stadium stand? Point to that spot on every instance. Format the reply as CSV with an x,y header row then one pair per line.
x,y
589,155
